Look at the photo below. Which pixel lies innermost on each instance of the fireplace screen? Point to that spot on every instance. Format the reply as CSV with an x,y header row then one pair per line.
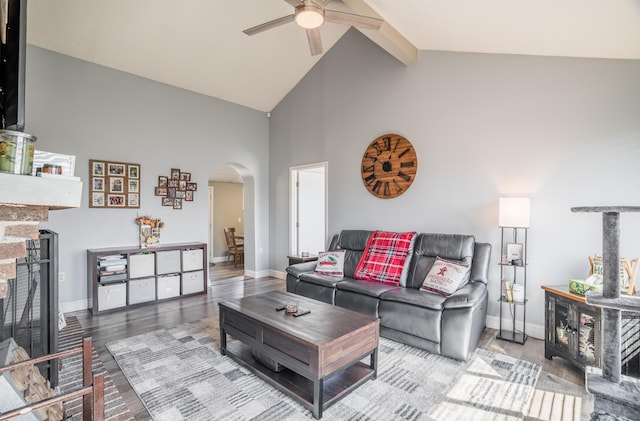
x,y
29,313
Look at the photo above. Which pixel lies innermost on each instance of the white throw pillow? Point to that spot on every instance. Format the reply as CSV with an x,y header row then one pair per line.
x,y
331,263
445,277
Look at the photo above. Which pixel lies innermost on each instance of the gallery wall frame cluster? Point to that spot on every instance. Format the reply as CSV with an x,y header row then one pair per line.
x,y
114,184
176,188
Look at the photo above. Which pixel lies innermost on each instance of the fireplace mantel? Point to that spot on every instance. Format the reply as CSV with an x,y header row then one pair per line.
x,y
51,193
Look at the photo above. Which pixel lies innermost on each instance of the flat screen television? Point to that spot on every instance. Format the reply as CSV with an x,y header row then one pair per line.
x,y
13,37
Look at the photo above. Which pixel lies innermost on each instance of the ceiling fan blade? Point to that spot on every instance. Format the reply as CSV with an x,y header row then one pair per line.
x,y
294,3
315,44
359,21
321,3
269,25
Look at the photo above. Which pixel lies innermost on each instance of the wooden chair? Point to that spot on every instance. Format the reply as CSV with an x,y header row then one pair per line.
x,y
235,250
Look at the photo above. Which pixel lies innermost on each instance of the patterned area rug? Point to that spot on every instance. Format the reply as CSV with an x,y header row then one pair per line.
x,y
179,374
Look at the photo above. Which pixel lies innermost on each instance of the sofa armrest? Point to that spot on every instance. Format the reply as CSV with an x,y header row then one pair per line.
x,y
467,296
300,268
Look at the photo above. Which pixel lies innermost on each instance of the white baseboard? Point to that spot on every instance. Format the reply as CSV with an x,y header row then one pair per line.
x,y
72,306
533,330
220,259
278,274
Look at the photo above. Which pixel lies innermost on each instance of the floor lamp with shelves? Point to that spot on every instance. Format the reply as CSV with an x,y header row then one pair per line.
x,y
513,221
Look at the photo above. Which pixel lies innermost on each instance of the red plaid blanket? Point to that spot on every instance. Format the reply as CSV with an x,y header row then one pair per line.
x,y
384,257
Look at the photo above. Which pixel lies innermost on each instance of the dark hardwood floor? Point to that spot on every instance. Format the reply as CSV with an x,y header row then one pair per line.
x,y
558,377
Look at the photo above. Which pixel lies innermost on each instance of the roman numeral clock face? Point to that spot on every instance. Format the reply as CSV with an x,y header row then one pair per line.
x,y
389,166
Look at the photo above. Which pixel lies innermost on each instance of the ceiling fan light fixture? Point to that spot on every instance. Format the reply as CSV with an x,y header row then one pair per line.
x,y
309,17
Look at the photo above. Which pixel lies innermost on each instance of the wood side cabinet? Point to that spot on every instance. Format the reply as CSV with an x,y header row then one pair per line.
x,y
123,277
572,328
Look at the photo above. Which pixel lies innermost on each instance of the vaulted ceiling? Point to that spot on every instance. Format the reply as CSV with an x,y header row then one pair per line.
x,y
199,45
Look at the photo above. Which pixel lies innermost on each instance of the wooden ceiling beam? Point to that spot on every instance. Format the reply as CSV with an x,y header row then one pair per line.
x,y
387,37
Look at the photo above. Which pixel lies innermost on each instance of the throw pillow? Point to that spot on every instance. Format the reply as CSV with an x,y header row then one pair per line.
x,y
445,277
331,263
384,257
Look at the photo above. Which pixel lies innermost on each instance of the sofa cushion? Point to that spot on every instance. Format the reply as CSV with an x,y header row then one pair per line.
x,y
370,288
452,247
353,242
415,297
384,258
331,263
445,277
407,262
415,320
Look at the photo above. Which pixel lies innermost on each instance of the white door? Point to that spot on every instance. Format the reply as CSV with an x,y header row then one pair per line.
x,y
308,219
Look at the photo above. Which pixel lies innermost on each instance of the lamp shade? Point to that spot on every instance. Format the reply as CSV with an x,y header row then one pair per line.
x,y
514,212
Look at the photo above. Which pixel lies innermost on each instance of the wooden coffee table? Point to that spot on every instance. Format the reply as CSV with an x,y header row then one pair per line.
x,y
320,350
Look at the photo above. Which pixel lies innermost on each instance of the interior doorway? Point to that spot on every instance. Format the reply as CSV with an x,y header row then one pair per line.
x,y
227,192
308,216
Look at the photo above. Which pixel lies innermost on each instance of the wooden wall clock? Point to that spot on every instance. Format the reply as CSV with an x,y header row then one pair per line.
x,y
389,166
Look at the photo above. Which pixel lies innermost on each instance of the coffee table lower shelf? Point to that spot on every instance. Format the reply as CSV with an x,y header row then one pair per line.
x,y
335,387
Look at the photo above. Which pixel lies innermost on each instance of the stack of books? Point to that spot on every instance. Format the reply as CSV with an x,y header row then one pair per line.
x,y
112,269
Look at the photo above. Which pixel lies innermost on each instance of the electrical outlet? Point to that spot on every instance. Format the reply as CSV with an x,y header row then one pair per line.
x,y
239,219
61,277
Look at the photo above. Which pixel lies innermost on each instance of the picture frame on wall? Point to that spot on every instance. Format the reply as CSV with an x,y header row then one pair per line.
x,y
116,200
134,186
97,199
97,169
115,169
134,171
114,184
176,188
97,184
133,199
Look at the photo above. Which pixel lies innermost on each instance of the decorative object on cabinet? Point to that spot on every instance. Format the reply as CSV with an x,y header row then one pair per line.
x,y
121,277
149,231
628,272
389,166
176,188
114,184
513,219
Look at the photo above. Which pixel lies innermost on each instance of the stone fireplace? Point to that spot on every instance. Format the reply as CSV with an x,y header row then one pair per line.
x,y
25,202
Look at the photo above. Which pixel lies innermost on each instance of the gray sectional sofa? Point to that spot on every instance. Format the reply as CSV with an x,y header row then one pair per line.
x,y
450,326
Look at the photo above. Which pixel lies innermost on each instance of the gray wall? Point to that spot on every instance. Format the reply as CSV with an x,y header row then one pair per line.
x,y
563,131
90,111
227,208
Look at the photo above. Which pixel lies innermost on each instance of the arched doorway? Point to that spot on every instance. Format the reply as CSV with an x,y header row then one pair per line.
x,y
231,204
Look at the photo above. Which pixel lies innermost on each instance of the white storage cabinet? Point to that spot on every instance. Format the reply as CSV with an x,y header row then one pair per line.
x,y
122,277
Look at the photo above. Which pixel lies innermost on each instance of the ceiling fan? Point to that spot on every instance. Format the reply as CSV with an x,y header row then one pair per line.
x,y
310,15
